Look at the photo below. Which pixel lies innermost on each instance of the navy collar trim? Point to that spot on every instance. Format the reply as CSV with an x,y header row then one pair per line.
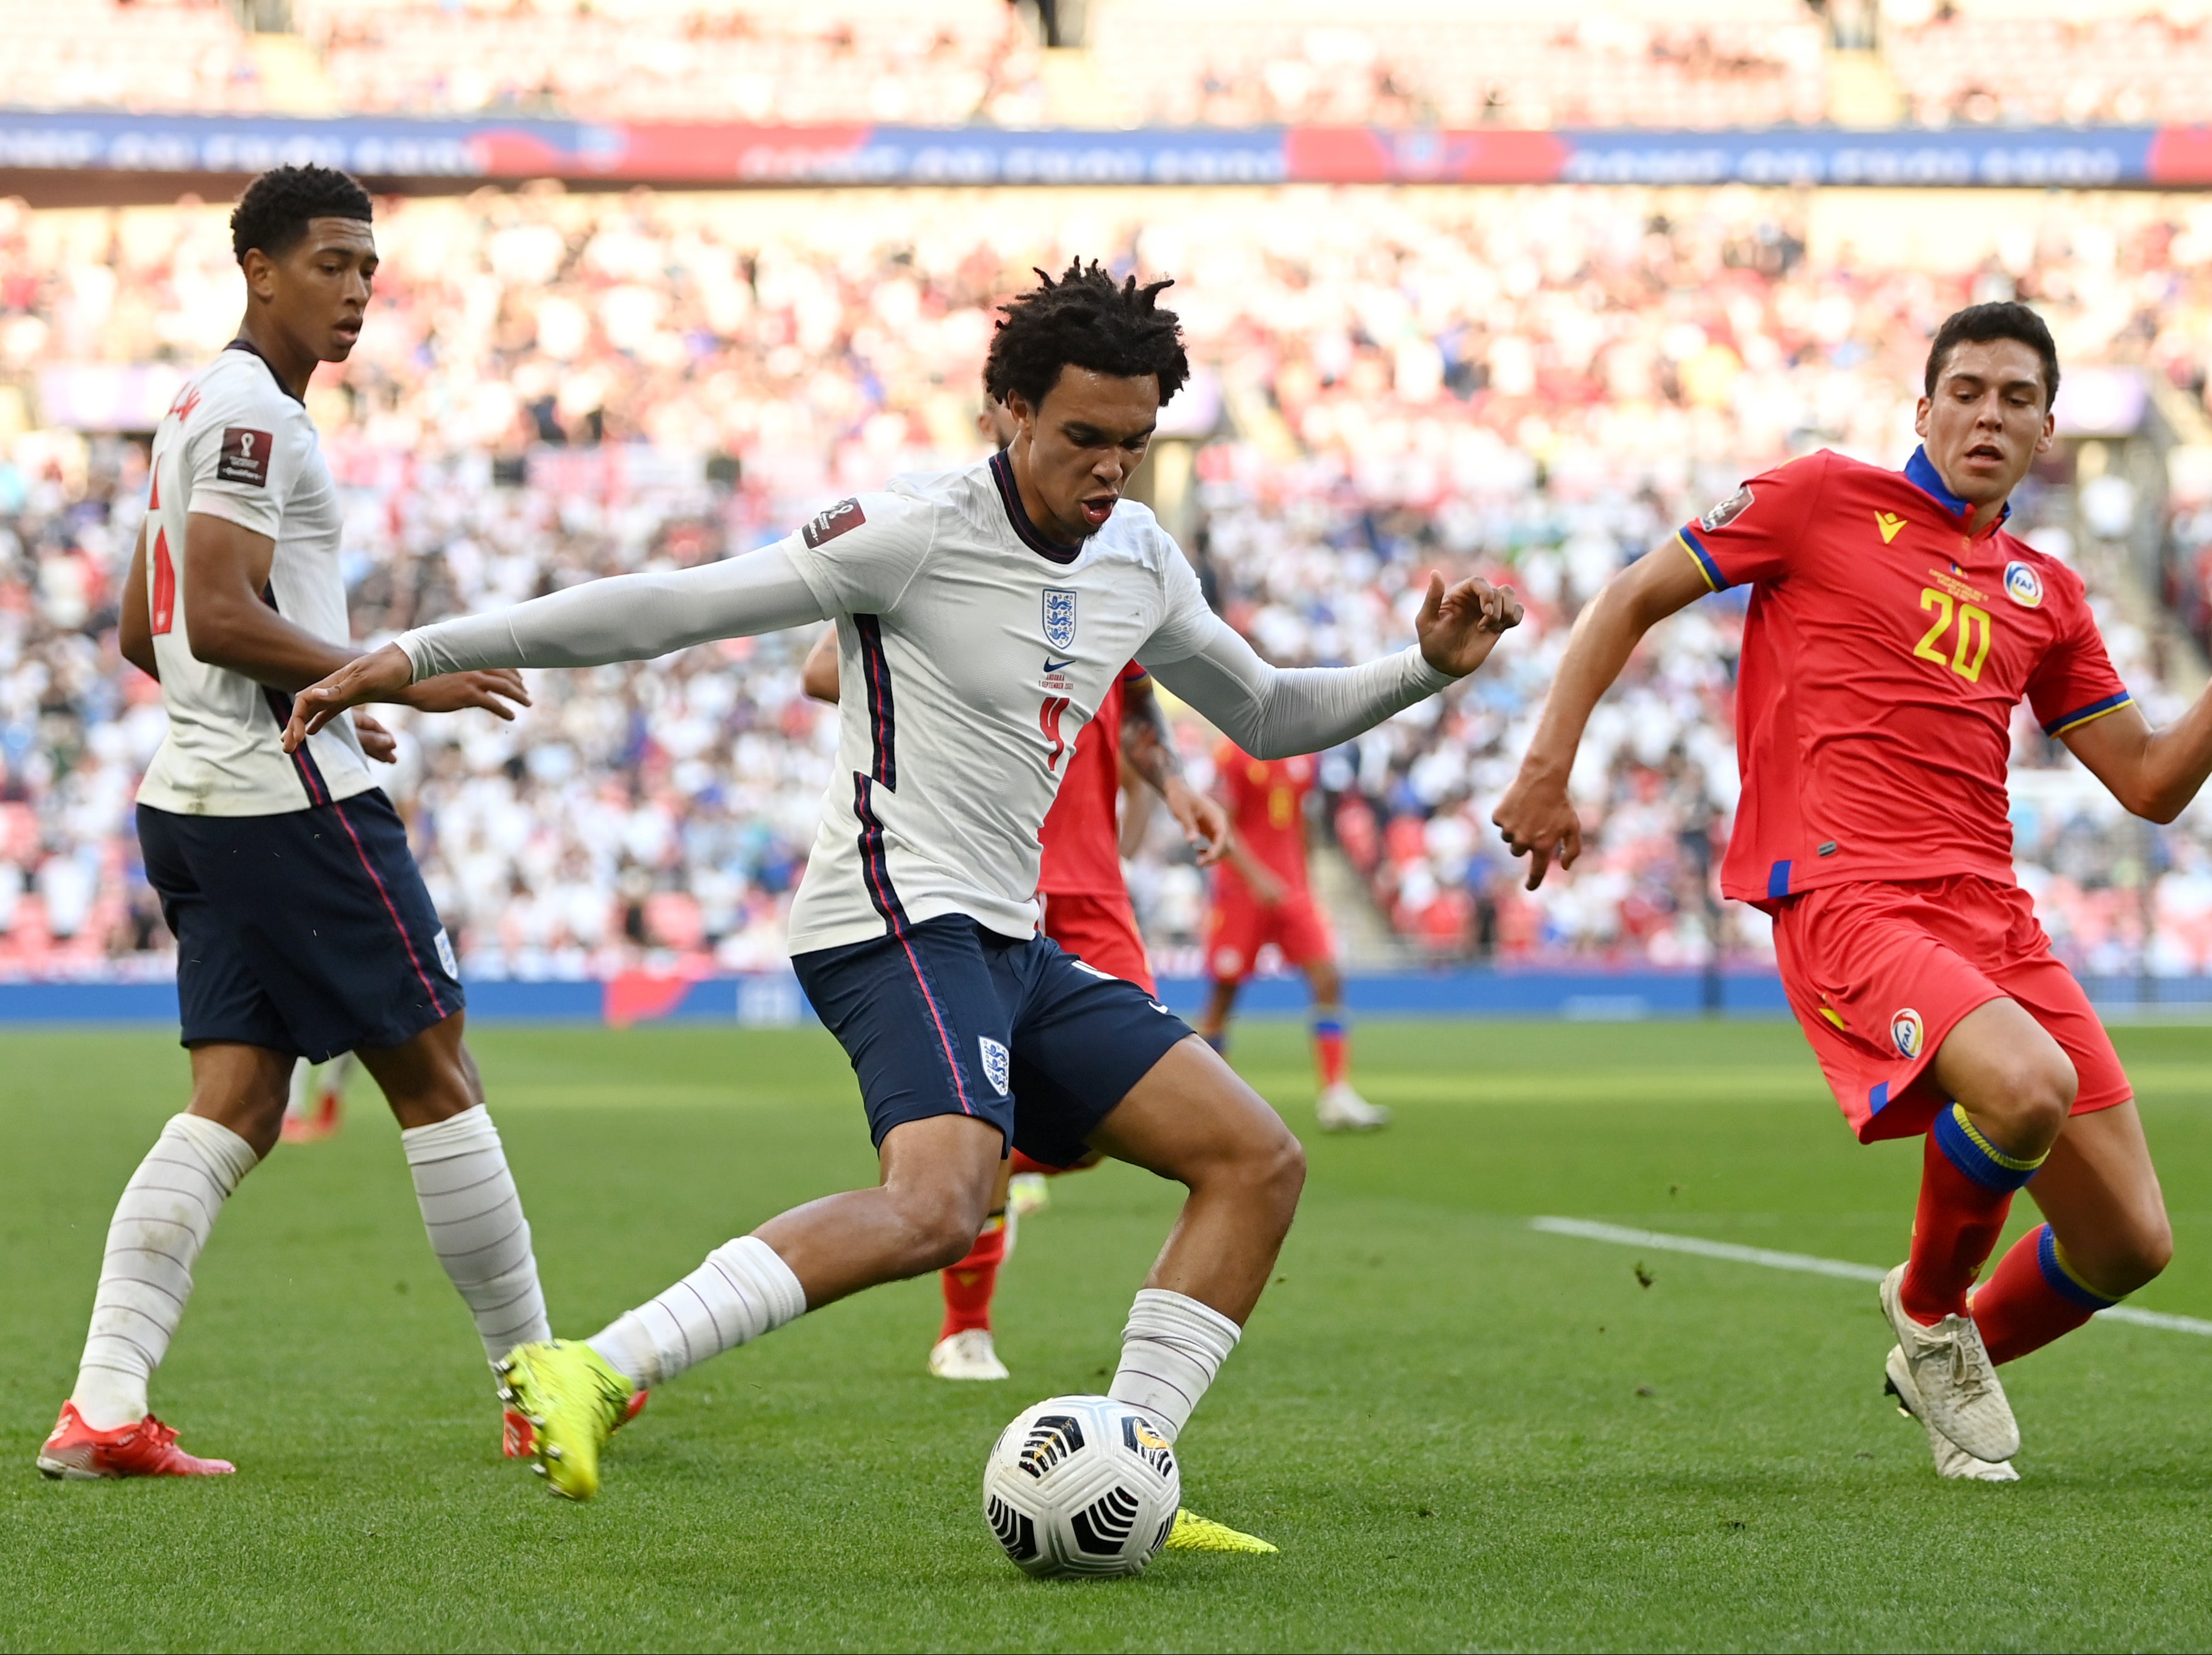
x,y
254,351
1010,496
1920,471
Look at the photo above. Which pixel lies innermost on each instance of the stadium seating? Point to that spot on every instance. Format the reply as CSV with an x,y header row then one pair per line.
x,y
1727,62
935,62
2077,63
1536,384
126,54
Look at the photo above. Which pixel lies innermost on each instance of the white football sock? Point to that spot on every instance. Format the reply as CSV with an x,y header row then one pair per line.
x,y
160,1225
477,1226
742,1291
1171,1348
296,1100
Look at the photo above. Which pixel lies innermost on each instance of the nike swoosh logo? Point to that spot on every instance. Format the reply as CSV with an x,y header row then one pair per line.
x,y
1051,665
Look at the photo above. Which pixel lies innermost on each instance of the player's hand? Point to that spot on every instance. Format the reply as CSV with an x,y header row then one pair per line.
x,y
376,741
382,675
1458,628
1268,891
1205,824
1536,820
491,690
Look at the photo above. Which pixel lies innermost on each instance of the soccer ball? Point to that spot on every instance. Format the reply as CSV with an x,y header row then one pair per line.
x,y
1081,1485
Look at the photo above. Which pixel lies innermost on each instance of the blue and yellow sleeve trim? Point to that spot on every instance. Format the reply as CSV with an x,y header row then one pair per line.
x,y
1704,560
2088,714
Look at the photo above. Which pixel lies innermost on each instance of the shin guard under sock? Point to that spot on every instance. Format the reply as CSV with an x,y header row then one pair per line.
x,y
1966,1185
2032,1297
969,1284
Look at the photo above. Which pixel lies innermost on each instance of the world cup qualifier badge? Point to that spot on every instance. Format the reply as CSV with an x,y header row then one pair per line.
x,y
1905,1028
2023,584
1059,618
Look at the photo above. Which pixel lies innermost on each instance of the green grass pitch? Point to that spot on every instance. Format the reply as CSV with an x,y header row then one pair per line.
x,y
1462,1434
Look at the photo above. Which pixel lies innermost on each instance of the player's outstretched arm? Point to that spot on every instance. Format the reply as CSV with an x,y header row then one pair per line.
x,y
1275,712
1535,818
2154,773
630,617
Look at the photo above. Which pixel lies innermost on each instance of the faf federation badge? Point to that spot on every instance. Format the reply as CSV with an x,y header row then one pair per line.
x,y
1905,1028
2023,584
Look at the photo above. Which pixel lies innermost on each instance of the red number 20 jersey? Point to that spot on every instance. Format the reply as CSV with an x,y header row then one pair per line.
x,y
1883,653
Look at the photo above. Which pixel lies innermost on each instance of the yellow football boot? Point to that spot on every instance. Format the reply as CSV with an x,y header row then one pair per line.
x,y
1202,1533
574,1401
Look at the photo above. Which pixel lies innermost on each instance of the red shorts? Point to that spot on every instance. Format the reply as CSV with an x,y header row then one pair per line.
x,y
1100,931
1240,926
1879,974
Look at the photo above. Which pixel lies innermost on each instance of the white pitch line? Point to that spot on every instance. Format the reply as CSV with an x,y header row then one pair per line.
x,y
1658,1241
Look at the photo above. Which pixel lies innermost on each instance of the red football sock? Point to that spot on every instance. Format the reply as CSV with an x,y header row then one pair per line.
x,y
2033,1298
1966,1185
969,1284
1332,1046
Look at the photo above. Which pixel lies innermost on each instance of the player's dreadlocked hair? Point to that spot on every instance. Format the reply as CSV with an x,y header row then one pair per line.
x,y
273,213
2003,318
1083,320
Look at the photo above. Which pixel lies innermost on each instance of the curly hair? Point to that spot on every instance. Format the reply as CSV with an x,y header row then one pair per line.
x,y
1083,320
273,213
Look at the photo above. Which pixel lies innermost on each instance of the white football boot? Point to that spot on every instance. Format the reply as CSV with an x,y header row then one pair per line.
x,y
1956,1383
1951,1460
967,1354
1340,1109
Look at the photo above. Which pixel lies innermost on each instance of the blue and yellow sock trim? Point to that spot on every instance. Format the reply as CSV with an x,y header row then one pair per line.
x,y
2059,1275
1965,1148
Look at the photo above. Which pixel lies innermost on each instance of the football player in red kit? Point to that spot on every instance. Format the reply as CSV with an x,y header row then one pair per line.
x,y
1894,627
1086,910
1261,895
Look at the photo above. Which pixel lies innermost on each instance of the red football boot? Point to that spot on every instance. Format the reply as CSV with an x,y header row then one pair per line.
x,y
147,1448
320,1123
518,1440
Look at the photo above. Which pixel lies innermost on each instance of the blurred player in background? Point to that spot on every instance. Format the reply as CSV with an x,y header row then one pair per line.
x,y
1262,895
316,1102
1893,628
1085,909
302,926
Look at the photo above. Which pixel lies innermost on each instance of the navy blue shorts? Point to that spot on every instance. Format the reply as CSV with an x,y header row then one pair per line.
x,y
308,932
952,1019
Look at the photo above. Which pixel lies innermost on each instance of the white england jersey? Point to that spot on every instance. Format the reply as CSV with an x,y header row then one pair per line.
x,y
237,444
972,651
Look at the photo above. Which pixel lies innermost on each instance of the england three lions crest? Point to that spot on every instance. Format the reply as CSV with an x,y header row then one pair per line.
x,y
1059,618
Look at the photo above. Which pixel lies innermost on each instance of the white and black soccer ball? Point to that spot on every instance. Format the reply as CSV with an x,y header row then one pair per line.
x,y
1081,1485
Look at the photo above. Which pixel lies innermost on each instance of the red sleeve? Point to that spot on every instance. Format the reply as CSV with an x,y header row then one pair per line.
x,y
1132,673
2073,683
1756,533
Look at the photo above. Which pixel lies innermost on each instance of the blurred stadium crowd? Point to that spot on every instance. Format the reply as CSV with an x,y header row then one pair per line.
x,y
1537,384
1403,63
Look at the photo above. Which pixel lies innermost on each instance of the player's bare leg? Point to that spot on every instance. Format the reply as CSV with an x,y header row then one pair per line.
x,y
1189,1118
964,1347
1337,1107
2013,1086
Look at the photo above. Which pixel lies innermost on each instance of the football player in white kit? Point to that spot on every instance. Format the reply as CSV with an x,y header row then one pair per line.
x,y
302,926
982,615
